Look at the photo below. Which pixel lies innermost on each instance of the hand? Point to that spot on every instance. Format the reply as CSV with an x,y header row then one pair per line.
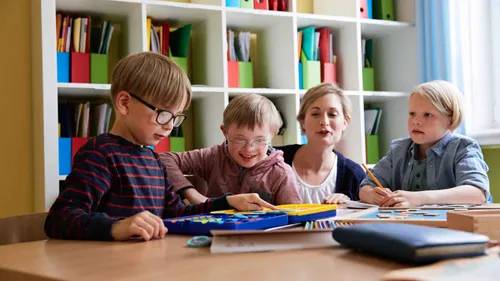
x,y
144,224
401,198
336,198
372,194
248,202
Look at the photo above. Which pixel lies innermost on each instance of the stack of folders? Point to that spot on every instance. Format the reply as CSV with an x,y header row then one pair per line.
x,y
172,43
367,52
372,121
273,5
77,123
240,72
88,43
316,56
372,125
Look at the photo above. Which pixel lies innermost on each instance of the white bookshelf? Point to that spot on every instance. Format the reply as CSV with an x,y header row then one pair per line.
x,y
274,59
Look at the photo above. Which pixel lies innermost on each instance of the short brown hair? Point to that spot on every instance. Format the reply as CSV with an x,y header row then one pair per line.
x,y
153,77
251,110
319,91
445,97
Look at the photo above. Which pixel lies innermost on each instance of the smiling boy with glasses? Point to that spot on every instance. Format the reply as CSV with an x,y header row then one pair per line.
x,y
244,163
118,187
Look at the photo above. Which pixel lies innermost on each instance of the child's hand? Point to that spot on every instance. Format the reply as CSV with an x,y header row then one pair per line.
x,y
373,194
336,198
248,202
144,224
401,198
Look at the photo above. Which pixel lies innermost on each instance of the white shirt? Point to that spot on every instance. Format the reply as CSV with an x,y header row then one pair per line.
x,y
315,194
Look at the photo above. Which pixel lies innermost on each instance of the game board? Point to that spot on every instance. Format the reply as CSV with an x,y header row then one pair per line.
x,y
432,217
296,212
203,224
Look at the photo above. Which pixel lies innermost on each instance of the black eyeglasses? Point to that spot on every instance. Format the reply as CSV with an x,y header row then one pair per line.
x,y
164,116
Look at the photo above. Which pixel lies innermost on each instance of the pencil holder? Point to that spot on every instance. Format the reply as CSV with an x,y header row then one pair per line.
x,y
177,144
368,79
63,67
99,68
372,156
245,73
80,67
329,72
64,156
233,74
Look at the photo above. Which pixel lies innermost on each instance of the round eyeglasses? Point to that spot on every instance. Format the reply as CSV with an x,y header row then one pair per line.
x,y
163,116
241,143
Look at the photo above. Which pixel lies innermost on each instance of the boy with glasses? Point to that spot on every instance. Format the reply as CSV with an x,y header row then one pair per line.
x,y
244,163
118,187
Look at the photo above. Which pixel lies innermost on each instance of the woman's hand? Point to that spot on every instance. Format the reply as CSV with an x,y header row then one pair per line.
x,y
336,198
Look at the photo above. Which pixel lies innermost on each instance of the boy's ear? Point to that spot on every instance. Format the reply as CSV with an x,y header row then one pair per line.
x,y
122,101
223,129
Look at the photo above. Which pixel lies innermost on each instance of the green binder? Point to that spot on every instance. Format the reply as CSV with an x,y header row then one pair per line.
x,y
372,156
247,4
383,9
368,79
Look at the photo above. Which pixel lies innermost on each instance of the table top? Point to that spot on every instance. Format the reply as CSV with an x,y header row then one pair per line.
x,y
171,259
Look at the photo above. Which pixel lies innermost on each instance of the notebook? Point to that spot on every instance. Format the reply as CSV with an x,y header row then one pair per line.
x,y
409,243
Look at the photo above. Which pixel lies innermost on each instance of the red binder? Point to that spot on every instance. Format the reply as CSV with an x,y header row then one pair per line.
x,y
273,5
324,45
363,9
261,4
282,6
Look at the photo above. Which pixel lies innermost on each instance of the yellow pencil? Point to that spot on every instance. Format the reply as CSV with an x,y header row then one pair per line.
x,y
373,177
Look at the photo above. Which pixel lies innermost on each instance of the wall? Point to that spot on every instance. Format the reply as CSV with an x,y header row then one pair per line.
x,y
492,158
16,172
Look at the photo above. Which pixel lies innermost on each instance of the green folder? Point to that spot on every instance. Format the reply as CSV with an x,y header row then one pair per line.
x,y
181,62
311,72
179,41
245,74
247,4
99,68
383,9
372,156
308,42
368,79
177,144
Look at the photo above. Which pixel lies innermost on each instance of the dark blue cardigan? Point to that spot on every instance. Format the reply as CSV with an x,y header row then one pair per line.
x,y
349,173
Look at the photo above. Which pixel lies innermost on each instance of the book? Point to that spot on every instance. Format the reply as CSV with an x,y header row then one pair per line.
x,y
408,243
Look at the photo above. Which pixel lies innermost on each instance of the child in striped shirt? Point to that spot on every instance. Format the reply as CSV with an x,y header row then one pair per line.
x,y
118,186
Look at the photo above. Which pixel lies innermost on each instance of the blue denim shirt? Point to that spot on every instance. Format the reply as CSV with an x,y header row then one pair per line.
x,y
454,160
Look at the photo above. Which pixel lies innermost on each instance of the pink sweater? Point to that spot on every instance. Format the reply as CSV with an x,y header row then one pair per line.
x,y
271,178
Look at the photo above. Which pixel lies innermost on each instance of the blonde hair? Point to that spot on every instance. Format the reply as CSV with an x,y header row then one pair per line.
x,y
152,77
251,110
445,97
319,91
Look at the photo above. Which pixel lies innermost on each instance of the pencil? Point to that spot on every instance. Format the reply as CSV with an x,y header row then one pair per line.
x,y
373,177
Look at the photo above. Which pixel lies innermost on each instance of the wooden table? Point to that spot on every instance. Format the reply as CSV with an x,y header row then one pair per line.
x,y
170,259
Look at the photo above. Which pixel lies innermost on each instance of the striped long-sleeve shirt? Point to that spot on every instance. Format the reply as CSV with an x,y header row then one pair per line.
x,y
112,179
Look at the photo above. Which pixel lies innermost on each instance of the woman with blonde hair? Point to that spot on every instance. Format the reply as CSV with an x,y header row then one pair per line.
x,y
324,175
